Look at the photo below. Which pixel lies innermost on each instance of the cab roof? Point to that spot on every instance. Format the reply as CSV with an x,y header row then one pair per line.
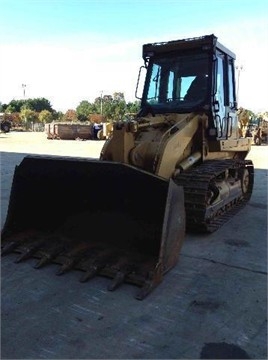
x,y
202,42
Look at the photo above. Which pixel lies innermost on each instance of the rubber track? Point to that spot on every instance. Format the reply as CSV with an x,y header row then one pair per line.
x,y
196,183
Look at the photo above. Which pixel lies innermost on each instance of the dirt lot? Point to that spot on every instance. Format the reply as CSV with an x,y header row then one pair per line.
x,y
213,304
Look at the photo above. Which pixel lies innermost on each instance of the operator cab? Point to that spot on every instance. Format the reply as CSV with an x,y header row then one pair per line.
x,y
191,75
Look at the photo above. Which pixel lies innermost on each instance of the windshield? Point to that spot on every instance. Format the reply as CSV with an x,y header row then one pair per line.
x,y
177,82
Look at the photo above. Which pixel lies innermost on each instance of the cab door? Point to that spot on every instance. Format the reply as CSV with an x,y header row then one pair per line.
x,y
219,103
224,97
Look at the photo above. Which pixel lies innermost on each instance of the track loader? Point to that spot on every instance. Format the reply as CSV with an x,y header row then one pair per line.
x,y
178,165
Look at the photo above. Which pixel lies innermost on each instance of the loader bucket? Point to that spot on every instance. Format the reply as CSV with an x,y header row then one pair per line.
x,y
101,217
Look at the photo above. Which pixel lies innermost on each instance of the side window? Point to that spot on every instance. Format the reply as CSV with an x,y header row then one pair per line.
x,y
170,89
153,92
221,119
231,81
220,84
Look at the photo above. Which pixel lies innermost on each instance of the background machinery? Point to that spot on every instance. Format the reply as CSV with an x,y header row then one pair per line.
x,y
260,133
243,121
179,163
5,124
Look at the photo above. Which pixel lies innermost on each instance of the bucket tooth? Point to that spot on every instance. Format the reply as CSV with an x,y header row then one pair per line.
x,y
73,257
123,267
68,265
90,273
8,248
28,252
145,290
49,256
25,255
153,279
98,264
43,261
117,280
12,242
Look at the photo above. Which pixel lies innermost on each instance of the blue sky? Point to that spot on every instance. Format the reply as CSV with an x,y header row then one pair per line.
x,y
72,50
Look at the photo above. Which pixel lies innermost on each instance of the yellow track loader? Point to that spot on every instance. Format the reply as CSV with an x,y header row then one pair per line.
x,y
178,165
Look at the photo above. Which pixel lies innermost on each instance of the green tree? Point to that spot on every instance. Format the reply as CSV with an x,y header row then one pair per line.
x,y
37,105
112,107
45,117
29,117
40,104
119,108
58,115
15,105
84,109
133,107
10,109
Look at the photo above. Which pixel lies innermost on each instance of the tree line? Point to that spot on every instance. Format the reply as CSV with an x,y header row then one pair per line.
x,y
24,113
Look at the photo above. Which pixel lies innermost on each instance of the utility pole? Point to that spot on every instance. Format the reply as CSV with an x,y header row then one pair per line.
x,y
239,69
101,102
23,87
